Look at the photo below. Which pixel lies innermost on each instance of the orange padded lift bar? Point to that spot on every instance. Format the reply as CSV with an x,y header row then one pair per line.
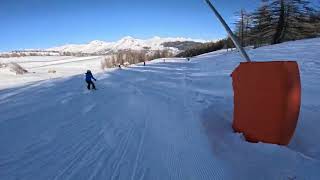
x,y
267,97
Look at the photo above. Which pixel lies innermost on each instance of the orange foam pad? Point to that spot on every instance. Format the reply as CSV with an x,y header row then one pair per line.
x,y
267,99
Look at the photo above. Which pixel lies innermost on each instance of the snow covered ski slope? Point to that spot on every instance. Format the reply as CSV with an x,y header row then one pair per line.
x,y
167,120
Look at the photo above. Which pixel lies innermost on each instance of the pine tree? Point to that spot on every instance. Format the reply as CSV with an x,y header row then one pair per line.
x,y
293,20
279,10
263,25
276,21
243,26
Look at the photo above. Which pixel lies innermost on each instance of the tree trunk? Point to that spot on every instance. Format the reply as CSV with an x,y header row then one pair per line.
x,y
281,25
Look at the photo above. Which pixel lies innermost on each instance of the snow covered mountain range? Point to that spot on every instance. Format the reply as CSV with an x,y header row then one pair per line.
x,y
130,43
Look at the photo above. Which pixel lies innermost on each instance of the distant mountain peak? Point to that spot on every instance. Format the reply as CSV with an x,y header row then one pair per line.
x,y
128,37
96,42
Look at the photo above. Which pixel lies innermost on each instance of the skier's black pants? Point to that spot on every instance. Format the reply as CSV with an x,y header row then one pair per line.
x,y
90,83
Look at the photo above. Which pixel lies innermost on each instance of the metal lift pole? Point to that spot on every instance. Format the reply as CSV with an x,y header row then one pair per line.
x,y
231,35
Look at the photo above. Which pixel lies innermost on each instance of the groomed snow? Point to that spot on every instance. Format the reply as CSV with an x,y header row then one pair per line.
x,y
168,120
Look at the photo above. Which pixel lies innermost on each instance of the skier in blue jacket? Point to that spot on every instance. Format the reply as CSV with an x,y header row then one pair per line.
x,y
89,78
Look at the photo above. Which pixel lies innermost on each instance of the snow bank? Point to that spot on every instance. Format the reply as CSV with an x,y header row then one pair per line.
x,y
15,68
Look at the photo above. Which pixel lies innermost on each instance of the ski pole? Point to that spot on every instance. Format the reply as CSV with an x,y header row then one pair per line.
x,y
229,31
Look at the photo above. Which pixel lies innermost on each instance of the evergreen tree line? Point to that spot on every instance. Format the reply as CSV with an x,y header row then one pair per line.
x,y
275,21
207,47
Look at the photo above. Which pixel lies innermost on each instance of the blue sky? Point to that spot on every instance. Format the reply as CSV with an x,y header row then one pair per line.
x,y
48,23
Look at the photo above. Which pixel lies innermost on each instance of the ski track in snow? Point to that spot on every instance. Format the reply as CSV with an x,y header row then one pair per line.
x,y
167,120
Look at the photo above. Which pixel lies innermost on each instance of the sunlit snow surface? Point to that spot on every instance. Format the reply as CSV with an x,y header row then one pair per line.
x,y
168,120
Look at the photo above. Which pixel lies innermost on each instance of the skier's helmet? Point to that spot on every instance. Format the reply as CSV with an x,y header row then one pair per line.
x,y
88,71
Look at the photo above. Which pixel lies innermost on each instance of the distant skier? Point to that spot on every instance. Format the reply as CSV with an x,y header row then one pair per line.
x,y
89,78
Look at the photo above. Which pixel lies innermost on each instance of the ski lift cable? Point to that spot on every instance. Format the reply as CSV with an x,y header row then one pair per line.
x,y
229,31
